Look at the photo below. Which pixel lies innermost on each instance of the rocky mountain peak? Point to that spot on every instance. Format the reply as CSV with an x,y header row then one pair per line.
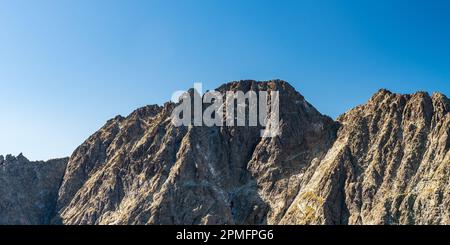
x,y
380,94
440,97
389,160
372,166
226,174
10,159
22,158
383,162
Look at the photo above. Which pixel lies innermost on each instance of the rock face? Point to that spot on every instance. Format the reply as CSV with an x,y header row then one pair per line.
x,y
384,162
389,165
29,190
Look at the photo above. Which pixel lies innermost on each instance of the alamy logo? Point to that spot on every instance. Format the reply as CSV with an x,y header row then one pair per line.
x,y
229,109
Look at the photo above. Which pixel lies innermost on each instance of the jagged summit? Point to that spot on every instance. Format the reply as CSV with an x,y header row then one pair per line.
x,y
8,159
246,85
381,93
440,96
388,165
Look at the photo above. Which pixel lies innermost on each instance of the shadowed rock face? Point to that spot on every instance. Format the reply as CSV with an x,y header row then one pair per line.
x,y
28,190
384,162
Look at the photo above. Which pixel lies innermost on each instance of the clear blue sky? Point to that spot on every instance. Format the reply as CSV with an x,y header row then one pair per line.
x,y
68,66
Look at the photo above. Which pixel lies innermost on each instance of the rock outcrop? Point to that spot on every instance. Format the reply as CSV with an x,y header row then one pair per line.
x,y
29,190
